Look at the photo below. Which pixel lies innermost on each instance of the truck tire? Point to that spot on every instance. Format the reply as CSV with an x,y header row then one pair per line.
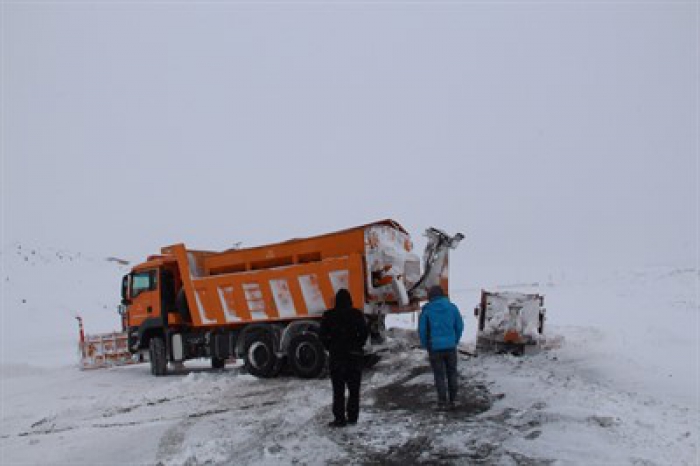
x,y
218,363
306,355
156,352
259,355
182,307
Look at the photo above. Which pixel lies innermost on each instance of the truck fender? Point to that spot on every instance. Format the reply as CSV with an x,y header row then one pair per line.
x,y
149,328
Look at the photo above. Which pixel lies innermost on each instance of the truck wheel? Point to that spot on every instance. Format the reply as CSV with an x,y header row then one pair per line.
x,y
182,307
259,355
156,351
306,356
218,363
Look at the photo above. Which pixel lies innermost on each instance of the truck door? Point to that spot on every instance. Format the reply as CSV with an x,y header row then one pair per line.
x,y
145,297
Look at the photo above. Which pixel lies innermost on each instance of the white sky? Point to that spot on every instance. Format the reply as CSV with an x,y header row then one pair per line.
x,y
557,134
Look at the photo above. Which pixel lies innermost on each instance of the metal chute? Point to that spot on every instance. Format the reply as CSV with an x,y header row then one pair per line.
x,y
434,261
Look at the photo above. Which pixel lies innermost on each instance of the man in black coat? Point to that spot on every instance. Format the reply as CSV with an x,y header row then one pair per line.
x,y
343,333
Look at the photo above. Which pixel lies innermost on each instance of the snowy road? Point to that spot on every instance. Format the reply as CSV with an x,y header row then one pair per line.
x,y
621,389
533,410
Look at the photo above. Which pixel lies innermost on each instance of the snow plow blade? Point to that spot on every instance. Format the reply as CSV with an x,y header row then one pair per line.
x,y
103,350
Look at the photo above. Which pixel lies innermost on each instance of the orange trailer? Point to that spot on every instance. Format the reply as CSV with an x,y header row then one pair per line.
x,y
264,303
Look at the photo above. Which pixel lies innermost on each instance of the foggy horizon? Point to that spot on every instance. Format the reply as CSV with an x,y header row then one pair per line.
x,y
560,135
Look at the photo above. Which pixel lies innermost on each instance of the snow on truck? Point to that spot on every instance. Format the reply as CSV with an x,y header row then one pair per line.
x,y
509,321
263,304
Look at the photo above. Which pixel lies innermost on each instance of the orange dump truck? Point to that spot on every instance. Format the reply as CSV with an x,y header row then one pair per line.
x,y
263,304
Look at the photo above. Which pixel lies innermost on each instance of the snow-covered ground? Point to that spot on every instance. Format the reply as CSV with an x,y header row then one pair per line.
x,y
621,388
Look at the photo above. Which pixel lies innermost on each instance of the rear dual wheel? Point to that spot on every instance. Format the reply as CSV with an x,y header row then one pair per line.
x,y
306,355
259,355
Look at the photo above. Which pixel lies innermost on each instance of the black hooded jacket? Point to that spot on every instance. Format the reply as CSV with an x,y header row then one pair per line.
x,y
343,328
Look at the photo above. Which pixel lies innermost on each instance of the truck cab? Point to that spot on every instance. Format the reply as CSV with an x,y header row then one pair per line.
x,y
149,297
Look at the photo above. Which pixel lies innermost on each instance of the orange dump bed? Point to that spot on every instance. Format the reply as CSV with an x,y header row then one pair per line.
x,y
299,278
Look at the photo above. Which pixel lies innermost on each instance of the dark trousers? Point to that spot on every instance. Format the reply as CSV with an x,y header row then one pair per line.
x,y
444,364
346,372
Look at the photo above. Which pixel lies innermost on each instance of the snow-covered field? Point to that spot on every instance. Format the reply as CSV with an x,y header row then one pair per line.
x,y
621,387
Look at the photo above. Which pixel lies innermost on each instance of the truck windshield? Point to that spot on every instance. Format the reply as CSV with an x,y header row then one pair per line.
x,y
143,281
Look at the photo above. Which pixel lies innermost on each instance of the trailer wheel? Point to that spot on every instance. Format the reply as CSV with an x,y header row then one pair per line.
x,y
306,355
218,363
182,307
259,355
156,352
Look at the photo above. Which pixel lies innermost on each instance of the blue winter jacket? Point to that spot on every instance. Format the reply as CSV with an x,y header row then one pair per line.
x,y
444,322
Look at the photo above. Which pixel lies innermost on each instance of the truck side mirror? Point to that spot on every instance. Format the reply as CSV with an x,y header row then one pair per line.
x,y
476,312
125,290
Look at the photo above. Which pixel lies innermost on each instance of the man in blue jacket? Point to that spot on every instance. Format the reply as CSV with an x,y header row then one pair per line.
x,y
440,327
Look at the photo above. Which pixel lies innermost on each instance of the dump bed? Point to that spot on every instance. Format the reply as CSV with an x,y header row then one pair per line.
x,y
297,279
